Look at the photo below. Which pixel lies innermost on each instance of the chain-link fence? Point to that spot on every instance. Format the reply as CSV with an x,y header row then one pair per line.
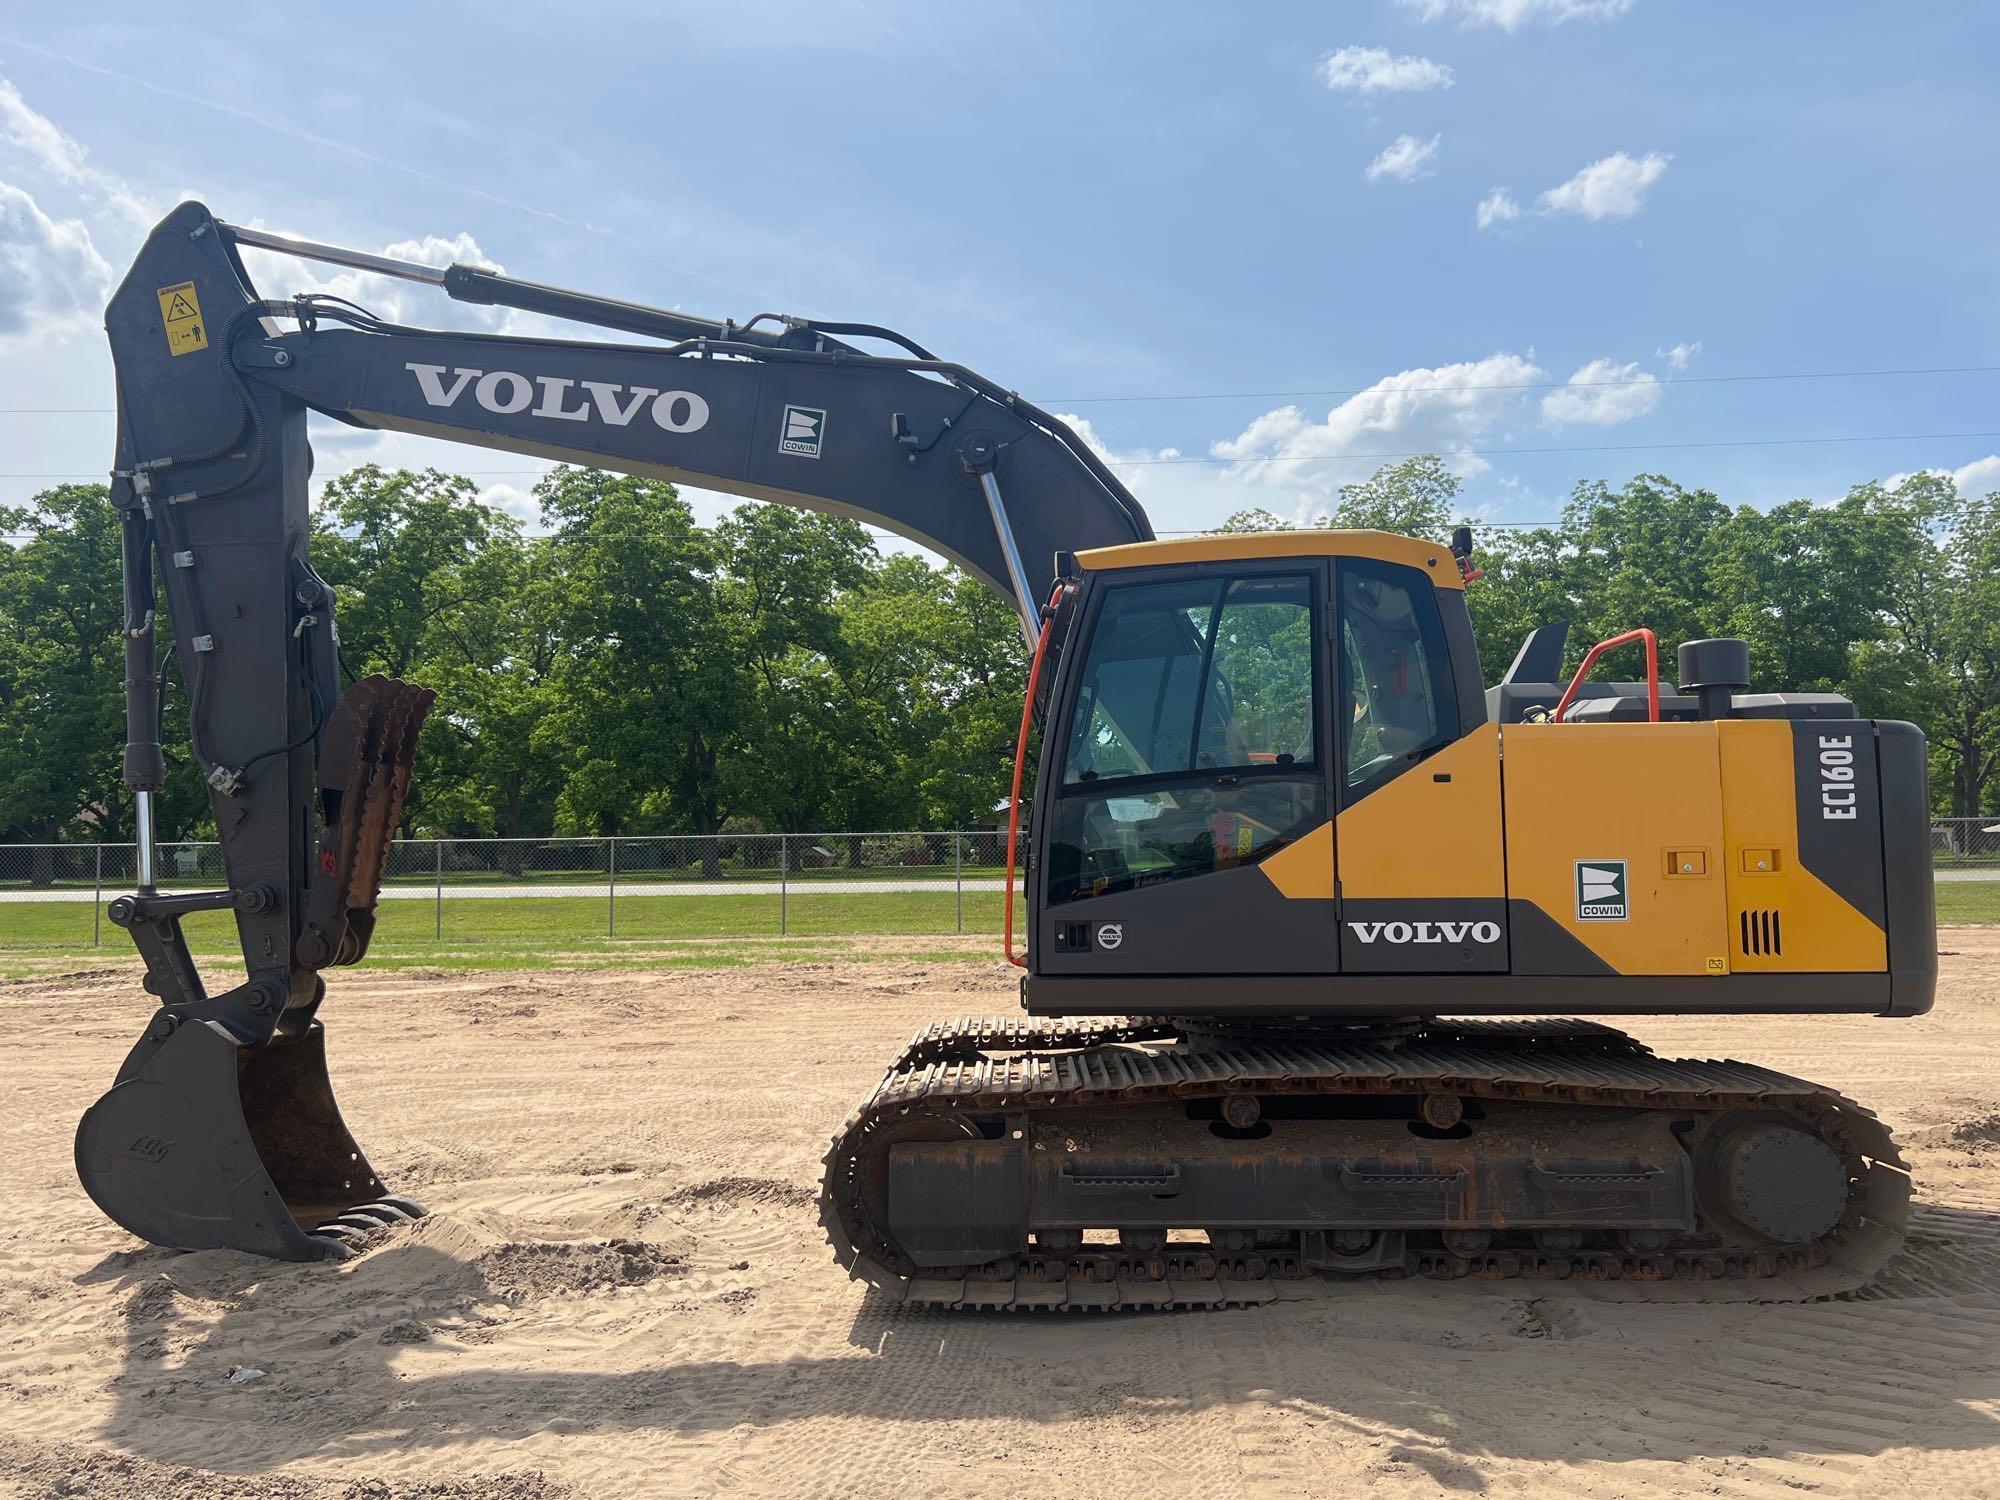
x,y
530,891
1957,842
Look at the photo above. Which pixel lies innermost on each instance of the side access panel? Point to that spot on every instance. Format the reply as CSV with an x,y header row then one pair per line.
x,y
1423,877
1802,809
1614,849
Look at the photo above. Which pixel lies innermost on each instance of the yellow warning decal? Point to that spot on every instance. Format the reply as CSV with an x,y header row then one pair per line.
x,y
180,311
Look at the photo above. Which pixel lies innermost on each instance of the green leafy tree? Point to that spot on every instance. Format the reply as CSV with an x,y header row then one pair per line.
x,y
62,723
1529,583
942,668
1414,497
1256,518
1936,657
803,742
648,688
495,661
398,545
1805,584
1641,556
414,560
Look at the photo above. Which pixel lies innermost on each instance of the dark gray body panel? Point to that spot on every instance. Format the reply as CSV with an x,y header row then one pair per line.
x,y
1225,922
1362,995
1909,877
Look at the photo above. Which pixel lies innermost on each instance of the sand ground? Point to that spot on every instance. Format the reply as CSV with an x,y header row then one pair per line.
x,y
504,1347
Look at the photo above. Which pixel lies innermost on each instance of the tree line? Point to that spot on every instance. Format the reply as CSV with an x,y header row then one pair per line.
x,y
1889,595
628,671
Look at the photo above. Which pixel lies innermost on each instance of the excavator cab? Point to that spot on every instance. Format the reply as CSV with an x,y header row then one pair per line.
x,y
1273,784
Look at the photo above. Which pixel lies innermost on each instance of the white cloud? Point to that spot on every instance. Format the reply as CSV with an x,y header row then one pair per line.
x,y
57,155
1511,15
1614,188
1445,410
1497,207
1291,464
1974,481
52,280
1406,158
1603,394
515,500
1979,478
1373,70
1680,356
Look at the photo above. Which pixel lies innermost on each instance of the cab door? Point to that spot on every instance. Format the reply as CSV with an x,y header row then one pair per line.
x,y
1183,811
1418,836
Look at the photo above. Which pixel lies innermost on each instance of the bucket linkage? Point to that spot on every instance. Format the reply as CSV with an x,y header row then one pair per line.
x,y
221,1130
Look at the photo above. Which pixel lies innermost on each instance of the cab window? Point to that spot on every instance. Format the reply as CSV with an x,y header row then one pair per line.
x,y
1192,746
1396,689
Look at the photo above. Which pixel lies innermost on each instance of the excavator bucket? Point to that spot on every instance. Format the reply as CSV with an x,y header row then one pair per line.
x,y
204,1143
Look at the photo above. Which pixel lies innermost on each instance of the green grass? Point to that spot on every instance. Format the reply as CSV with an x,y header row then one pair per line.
x,y
943,874
574,931
539,932
1968,901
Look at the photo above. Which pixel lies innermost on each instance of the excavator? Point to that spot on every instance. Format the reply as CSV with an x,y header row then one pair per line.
x,y
1302,891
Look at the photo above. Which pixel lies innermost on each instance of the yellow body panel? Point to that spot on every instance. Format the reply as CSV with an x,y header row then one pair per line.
x,y
1303,870
1631,792
1434,560
1821,933
1419,837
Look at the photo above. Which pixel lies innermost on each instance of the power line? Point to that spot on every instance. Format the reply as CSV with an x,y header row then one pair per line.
x,y
875,533
1440,390
1300,458
1290,458
1527,385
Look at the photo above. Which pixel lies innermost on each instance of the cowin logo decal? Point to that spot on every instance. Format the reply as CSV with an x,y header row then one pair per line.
x,y
805,429
1401,933
1600,890
504,393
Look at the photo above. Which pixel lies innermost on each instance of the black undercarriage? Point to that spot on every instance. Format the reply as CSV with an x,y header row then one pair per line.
x,y
1160,1163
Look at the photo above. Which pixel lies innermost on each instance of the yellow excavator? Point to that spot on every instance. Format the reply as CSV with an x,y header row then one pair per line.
x,y
1299,885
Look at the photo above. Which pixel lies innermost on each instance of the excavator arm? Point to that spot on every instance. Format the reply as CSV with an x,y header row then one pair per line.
x,y
222,1129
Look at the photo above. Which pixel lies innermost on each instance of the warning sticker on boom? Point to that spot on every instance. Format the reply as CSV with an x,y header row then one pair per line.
x,y
180,311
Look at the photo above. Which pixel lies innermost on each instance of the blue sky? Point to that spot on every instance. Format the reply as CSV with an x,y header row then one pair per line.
x,y
1344,231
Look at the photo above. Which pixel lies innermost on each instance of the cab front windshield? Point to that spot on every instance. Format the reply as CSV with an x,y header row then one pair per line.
x,y
1193,744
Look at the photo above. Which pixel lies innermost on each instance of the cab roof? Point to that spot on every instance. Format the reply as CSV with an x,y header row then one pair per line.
x,y
1432,558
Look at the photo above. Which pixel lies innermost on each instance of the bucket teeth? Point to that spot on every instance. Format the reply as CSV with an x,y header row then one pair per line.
x,y
365,759
205,1143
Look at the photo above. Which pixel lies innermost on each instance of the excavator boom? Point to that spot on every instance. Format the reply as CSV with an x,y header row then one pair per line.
x,y
306,780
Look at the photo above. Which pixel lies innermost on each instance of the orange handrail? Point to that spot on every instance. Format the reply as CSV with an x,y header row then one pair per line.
x,y
1020,756
1590,657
